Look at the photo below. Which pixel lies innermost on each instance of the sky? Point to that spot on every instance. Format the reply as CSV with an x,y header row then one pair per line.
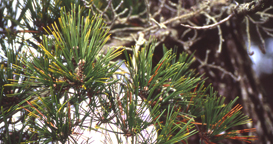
x,y
263,63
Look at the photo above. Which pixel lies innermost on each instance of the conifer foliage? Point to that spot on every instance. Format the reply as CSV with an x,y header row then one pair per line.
x,y
71,84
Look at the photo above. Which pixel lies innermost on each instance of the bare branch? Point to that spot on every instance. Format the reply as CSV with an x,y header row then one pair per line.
x,y
248,36
204,63
262,46
219,32
106,8
209,26
185,17
160,8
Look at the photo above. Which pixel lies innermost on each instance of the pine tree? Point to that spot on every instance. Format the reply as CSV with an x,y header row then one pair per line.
x,y
71,81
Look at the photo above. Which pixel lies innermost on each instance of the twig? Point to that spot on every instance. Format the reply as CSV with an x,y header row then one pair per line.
x,y
172,3
170,8
262,46
179,7
158,24
266,30
102,13
185,17
219,32
204,63
185,32
106,8
121,2
162,3
116,16
258,22
265,14
190,42
248,36
209,26
129,14
126,29
224,71
148,9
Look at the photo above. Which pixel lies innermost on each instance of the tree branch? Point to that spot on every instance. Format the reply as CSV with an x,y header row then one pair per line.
x,y
252,7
